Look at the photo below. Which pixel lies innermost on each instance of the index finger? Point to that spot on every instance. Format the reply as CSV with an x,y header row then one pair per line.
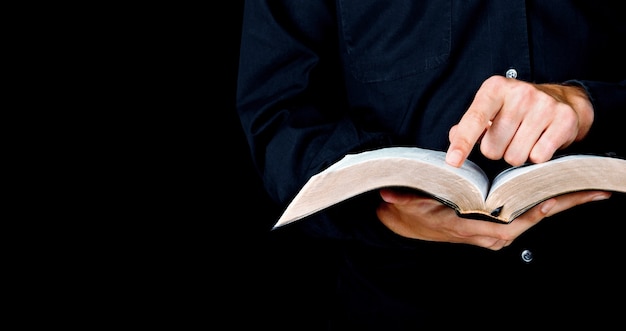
x,y
474,122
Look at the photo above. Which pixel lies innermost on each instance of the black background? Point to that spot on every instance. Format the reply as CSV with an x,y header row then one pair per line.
x,y
174,228
213,258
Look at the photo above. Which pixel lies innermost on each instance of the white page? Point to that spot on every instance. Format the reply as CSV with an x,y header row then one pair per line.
x,y
469,170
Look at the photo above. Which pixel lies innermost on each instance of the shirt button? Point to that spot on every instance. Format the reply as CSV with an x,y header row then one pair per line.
x,y
527,256
511,73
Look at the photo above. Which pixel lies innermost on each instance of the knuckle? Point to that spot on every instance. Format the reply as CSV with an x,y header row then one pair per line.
x,y
489,151
515,159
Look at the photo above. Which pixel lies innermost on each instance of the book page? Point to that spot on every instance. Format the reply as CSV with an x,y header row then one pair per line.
x,y
470,170
513,172
519,188
463,189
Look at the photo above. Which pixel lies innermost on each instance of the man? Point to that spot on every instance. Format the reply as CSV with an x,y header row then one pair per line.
x,y
501,83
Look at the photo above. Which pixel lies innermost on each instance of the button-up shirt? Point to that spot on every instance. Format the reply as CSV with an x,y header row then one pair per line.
x,y
320,79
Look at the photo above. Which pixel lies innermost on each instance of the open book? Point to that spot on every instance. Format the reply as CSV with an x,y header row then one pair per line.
x,y
466,189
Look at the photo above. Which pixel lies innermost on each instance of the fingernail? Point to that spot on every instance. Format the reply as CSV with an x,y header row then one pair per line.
x,y
547,206
454,158
601,196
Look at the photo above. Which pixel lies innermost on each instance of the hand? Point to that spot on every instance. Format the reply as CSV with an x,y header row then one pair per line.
x,y
418,217
520,121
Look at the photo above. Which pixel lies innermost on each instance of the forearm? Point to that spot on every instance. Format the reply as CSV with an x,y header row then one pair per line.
x,y
609,104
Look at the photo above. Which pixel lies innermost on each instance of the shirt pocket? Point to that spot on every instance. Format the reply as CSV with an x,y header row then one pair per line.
x,y
390,40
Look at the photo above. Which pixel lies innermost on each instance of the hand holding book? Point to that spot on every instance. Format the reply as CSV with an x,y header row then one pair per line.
x,y
416,216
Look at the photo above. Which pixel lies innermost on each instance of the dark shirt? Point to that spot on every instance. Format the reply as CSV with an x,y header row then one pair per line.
x,y
319,79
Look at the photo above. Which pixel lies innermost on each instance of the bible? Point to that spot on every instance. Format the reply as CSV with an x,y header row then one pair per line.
x,y
467,189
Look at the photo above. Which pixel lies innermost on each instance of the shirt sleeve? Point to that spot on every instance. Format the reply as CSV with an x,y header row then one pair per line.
x,y
290,97
609,103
